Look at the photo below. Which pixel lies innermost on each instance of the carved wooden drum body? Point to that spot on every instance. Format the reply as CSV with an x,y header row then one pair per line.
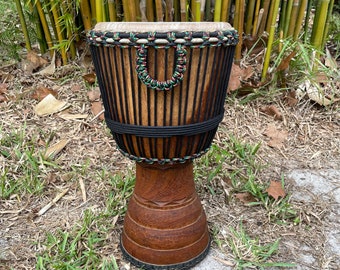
x,y
163,87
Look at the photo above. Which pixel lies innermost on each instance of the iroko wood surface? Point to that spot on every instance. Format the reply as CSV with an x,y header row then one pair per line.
x,y
165,222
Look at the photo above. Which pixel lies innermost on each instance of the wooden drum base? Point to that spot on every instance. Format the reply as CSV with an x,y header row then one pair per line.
x,y
165,225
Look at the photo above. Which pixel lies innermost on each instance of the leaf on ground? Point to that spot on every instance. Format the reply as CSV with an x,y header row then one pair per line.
x,y
237,75
316,94
253,45
3,98
69,116
245,197
49,105
97,109
41,92
50,69
93,95
286,61
330,61
76,88
291,99
276,190
56,148
272,111
35,60
277,137
90,78
3,88
6,77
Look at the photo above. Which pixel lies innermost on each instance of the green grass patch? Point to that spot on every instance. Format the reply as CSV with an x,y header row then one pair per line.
x,y
251,253
25,167
81,246
11,33
236,163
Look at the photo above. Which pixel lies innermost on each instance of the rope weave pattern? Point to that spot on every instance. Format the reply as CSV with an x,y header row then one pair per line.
x,y
164,160
144,76
163,40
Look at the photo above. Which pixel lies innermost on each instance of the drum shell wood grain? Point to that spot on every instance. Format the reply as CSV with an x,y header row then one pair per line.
x,y
165,222
198,98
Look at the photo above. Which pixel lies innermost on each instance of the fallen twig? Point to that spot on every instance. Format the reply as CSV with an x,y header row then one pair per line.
x,y
50,204
82,188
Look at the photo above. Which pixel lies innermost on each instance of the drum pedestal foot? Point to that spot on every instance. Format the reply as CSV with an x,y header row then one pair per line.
x,y
165,225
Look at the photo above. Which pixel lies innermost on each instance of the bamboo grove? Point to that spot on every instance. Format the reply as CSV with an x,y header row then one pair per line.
x,y
59,24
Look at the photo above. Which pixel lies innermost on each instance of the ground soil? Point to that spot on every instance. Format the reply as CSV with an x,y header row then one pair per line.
x,y
312,142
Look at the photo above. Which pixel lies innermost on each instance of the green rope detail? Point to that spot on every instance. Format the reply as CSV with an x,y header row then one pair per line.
x,y
176,78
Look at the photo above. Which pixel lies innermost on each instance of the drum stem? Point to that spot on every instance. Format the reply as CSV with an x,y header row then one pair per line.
x,y
165,226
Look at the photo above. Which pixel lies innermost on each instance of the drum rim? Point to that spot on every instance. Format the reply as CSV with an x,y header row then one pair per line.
x,y
193,39
162,27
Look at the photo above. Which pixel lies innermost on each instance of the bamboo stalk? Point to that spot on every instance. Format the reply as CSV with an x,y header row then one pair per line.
x,y
288,20
99,11
256,18
240,19
69,23
126,10
329,15
168,10
40,30
93,10
192,9
44,26
293,18
250,16
270,40
197,11
159,10
150,11
86,14
177,11
46,5
264,15
261,11
59,32
137,9
309,8
217,12
236,14
202,9
283,18
132,11
299,20
64,21
319,23
183,5
208,10
225,10
23,25
281,40
112,10
105,11
270,16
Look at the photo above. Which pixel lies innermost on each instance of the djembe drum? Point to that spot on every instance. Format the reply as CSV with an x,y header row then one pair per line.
x,y
163,87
